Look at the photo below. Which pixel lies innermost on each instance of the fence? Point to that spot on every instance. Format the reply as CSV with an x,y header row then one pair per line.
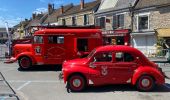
x,y
155,53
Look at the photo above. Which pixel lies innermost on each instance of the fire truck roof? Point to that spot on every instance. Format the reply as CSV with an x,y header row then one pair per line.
x,y
66,31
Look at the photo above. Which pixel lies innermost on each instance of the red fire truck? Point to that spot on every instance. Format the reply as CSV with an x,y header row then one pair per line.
x,y
53,46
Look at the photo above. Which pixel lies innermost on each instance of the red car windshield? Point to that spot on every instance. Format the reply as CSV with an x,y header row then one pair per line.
x,y
91,53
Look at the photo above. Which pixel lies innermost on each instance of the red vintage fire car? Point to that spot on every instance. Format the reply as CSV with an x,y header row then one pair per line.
x,y
53,46
112,65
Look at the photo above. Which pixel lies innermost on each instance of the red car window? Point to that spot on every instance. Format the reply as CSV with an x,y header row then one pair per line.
x,y
103,57
123,57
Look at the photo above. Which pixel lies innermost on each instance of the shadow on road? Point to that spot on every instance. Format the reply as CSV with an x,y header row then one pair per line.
x,y
123,88
110,88
43,68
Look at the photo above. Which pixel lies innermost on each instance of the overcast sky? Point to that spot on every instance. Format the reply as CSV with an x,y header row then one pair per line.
x,y
14,11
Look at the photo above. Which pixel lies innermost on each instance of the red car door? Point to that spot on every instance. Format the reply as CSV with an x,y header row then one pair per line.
x,y
100,68
123,67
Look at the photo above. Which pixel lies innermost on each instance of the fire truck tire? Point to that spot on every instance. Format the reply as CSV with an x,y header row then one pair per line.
x,y
145,83
24,63
76,83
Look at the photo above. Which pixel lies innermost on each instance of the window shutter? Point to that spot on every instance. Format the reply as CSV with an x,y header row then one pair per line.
x,y
85,19
114,22
135,22
102,22
121,21
97,21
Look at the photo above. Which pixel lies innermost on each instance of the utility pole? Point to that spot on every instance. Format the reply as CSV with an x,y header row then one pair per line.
x,y
9,39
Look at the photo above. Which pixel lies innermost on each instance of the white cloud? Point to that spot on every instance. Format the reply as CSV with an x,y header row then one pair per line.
x,y
40,10
11,21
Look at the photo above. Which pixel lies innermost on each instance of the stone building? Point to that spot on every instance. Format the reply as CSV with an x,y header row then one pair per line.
x,y
149,16
80,15
115,15
52,16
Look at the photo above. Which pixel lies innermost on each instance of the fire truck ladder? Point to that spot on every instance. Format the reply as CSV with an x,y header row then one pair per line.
x,y
6,91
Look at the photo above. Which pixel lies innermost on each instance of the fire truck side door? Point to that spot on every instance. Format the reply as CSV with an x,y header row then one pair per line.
x,y
54,49
38,49
70,46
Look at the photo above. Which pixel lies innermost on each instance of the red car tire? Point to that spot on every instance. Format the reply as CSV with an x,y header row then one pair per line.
x,y
76,83
145,83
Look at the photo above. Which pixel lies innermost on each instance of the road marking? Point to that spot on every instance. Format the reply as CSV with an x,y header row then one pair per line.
x,y
35,81
25,84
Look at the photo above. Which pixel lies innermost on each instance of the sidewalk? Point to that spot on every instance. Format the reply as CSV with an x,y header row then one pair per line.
x,y
6,92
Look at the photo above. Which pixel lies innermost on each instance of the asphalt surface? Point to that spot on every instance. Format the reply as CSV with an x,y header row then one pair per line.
x,y
42,83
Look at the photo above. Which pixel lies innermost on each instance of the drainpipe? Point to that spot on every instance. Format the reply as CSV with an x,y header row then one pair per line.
x,y
131,10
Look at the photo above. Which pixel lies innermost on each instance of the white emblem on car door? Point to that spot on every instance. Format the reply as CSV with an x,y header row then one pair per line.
x,y
104,70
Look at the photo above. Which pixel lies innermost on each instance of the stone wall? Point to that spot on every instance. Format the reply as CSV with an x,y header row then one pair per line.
x,y
79,18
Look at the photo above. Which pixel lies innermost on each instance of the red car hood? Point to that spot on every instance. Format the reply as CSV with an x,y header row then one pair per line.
x,y
81,61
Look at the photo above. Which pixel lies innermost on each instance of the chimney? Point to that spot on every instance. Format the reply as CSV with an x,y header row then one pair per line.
x,y
82,4
33,15
50,8
62,9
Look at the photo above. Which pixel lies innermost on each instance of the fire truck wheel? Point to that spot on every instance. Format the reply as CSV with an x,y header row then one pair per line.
x,y
76,83
145,83
24,63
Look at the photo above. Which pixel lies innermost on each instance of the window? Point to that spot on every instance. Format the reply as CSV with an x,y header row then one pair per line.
x,y
38,39
63,22
118,21
74,20
86,19
143,22
56,39
82,44
103,57
124,57
1,35
101,22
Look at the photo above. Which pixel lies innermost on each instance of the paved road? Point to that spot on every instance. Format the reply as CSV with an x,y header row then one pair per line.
x,y
43,84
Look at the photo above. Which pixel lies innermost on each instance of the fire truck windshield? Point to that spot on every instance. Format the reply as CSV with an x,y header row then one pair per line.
x,y
38,39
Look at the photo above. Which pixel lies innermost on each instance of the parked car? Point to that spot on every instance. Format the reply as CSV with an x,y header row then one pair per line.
x,y
112,65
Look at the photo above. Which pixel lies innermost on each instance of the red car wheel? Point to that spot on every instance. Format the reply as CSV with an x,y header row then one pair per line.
x,y
25,63
145,83
76,83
